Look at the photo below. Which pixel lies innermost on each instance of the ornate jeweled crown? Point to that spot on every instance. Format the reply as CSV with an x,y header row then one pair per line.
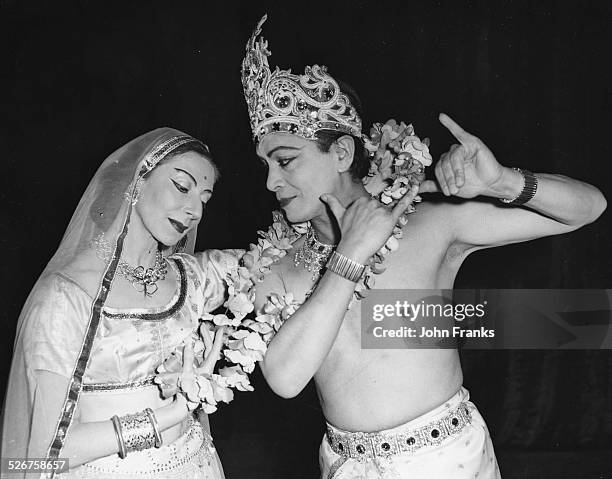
x,y
299,104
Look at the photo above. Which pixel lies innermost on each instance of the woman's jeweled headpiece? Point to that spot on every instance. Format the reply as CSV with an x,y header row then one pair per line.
x,y
299,104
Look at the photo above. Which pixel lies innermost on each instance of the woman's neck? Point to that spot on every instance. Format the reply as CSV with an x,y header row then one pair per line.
x,y
139,247
326,226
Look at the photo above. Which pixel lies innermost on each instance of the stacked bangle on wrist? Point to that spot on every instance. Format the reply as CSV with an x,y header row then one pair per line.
x,y
136,432
153,420
119,436
345,267
530,186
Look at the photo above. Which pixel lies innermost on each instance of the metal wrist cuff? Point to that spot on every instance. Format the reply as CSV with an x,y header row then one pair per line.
x,y
345,267
137,431
530,186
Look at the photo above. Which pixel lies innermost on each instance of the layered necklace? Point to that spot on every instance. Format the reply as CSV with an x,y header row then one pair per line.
x,y
313,254
144,280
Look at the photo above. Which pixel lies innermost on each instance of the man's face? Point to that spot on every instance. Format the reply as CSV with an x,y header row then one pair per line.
x,y
298,173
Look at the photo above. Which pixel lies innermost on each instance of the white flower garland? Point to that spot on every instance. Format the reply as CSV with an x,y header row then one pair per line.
x,y
398,159
206,390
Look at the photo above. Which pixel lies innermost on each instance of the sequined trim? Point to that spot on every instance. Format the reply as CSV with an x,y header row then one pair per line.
x,y
76,381
91,387
165,313
335,467
206,451
161,150
364,446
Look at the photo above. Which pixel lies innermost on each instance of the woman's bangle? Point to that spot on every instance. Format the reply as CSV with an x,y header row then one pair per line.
x,y
137,431
119,436
155,425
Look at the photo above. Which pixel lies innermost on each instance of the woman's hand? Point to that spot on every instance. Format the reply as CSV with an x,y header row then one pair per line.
x,y
366,224
185,387
212,351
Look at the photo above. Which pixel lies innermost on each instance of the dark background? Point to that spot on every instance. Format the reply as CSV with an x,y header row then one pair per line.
x,y
530,78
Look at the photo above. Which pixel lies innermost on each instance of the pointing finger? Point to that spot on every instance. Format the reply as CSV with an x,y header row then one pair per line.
x,y
213,354
458,132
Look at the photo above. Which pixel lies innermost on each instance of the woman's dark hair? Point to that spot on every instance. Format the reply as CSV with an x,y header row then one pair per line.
x,y
326,138
198,147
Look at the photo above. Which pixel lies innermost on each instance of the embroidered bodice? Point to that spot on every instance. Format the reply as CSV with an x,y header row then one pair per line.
x,y
130,343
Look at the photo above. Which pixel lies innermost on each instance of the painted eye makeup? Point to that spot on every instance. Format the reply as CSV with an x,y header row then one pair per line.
x,y
180,187
285,161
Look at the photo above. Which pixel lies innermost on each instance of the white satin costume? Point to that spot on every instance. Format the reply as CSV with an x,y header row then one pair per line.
x,y
106,356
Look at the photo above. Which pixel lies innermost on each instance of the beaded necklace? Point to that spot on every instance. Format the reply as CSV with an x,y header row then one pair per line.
x,y
144,280
313,253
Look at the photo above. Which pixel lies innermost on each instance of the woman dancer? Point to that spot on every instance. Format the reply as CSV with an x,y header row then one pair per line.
x,y
116,299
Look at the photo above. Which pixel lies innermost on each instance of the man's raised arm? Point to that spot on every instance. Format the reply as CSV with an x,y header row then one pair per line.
x,y
553,204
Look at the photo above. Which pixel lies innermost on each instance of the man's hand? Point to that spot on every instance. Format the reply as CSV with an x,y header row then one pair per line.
x,y
468,169
366,224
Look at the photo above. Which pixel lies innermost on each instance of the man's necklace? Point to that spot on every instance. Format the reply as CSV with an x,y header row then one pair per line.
x,y
313,254
144,280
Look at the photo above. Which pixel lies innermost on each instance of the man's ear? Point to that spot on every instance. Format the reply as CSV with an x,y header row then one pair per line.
x,y
344,148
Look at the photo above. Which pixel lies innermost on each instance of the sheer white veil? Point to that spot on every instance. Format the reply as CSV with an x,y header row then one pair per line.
x,y
33,426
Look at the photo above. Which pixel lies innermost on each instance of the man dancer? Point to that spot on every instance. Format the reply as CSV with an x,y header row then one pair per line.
x,y
390,413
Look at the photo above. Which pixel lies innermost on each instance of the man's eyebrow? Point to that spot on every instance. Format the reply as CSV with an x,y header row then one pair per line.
x,y
188,174
281,147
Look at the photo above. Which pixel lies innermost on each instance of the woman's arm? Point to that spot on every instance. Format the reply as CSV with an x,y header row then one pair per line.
x,y
87,441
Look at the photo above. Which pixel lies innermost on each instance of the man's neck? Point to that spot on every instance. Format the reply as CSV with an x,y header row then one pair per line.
x,y
326,226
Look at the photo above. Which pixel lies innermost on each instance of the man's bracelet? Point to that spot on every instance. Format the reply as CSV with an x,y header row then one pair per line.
x,y
530,186
345,267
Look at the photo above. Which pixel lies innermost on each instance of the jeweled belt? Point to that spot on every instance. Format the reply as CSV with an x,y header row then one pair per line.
x,y
367,445
90,387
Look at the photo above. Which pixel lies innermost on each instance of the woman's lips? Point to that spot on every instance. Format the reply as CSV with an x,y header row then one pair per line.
x,y
178,226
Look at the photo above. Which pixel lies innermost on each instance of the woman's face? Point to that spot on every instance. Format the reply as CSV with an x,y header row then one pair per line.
x,y
298,173
173,196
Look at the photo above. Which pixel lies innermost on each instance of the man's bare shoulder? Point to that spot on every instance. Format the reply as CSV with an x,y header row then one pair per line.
x,y
445,209
445,215
430,211
430,219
